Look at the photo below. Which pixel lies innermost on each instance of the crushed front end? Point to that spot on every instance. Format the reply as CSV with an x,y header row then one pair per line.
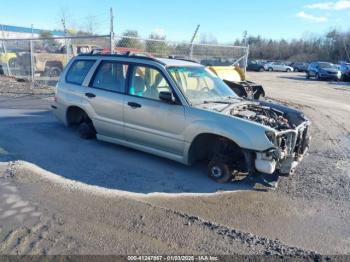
x,y
290,147
288,133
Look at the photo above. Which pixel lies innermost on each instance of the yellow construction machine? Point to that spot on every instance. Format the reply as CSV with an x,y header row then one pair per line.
x,y
235,78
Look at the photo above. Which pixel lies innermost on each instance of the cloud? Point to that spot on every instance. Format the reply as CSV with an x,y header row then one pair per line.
x,y
338,5
309,17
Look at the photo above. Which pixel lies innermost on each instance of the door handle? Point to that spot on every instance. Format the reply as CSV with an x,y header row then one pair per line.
x,y
134,105
90,95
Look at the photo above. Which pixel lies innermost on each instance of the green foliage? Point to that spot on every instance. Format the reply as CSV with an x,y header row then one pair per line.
x,y
46,34
328,47
158,47
49,43
129,40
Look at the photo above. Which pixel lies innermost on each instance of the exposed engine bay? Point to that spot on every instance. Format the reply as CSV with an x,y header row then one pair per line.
x,y
290,139
264,115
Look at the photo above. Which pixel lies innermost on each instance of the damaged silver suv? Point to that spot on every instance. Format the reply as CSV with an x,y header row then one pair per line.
x,y
179,110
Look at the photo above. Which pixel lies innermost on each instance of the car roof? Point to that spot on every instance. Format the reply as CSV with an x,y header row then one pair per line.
x,y
163,61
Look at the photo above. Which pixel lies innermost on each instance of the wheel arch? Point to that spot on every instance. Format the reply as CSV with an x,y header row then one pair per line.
x,y
54,63
76,115
202,145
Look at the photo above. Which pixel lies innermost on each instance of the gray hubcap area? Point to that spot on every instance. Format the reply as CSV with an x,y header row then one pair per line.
x,y
216,172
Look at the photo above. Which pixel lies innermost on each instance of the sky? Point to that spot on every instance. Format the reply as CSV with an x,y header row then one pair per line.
x,y
223,19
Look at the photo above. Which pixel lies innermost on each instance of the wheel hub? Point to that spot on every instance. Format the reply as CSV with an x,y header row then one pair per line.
x,y
216,171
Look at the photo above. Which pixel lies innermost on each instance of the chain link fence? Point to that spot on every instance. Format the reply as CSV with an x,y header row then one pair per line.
x,y
41,60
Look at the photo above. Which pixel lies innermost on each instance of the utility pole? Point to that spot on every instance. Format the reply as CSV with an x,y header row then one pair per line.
x,y
346,50
245,33
63,20
112,32
5,50
192,40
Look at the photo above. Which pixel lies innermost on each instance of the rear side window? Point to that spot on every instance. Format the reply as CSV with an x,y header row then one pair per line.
x,y
78,71
110,76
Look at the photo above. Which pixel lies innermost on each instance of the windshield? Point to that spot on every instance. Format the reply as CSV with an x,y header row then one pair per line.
x,y
327,65
200,85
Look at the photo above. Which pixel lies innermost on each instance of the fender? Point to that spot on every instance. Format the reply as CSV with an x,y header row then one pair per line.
x,y
240,131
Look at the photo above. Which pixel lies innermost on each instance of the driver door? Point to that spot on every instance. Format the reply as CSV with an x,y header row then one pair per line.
x,y
150,122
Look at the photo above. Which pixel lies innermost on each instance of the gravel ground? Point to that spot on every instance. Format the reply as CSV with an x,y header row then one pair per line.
x,y
56,199
11,87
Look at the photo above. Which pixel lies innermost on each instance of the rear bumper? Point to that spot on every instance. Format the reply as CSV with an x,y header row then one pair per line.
x,y
330,76
59,112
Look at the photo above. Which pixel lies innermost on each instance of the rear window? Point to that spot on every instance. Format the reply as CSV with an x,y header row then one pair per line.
x,y
78,71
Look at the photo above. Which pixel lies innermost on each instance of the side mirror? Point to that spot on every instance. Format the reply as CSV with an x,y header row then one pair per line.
x,y
167,97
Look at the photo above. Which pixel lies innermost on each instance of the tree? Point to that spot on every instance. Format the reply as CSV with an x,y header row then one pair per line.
x,y
129,40
158,46
91,25
48,43
328,47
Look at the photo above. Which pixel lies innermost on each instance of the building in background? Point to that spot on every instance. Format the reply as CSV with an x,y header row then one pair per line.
x,y
10,31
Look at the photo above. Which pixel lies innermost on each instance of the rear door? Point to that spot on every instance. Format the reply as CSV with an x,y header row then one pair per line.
x,y
74,79
149,121
276,66
280,67
105,96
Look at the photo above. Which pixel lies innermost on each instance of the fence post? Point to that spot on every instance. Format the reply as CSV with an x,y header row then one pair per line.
x,y
32,64
246,60
111,35
7,62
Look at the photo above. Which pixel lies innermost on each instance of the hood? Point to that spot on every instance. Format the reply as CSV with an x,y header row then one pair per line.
x,y
267,114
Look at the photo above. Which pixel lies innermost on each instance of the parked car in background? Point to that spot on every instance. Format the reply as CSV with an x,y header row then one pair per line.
x,y
323,71
255,66
51,64
179,110
299,66
8,61
278,66
345,71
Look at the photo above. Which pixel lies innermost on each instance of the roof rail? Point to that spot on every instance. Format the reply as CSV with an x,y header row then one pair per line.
x,y
127,55
183,59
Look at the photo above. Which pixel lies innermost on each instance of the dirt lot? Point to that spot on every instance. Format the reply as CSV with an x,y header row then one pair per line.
x,y
62,195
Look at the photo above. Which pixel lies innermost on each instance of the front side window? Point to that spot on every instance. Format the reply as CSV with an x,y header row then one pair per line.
x,y
199,84
78,71
147,82
110,76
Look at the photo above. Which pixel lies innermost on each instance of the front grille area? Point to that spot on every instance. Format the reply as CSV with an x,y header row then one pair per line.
x,y
302,141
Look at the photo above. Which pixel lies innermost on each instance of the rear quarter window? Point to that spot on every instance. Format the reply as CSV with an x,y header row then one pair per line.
x,y
78,71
